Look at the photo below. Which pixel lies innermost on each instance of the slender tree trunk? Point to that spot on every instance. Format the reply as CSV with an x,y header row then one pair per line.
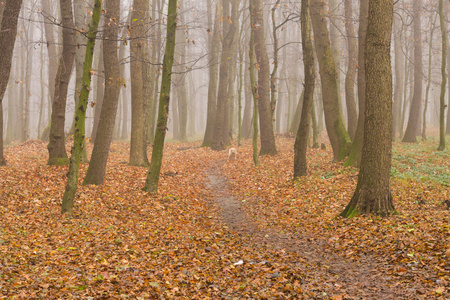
x,y
330,89
247,117
354,157
97,167
52,59
444,78
80,115
352,116
315,128
268,146
301,141
122,66
151,184
335,33
416,103
179,80
213,75
56,146
273,75
99,88
138,157
373,194
397,129
254,88
427,90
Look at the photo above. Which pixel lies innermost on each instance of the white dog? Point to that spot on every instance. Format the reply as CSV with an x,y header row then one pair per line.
x,y
232,152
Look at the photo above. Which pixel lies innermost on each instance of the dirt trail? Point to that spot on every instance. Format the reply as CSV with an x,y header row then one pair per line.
x,y
362,279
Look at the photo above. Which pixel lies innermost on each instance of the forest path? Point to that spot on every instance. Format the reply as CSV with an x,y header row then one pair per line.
x,y
362,278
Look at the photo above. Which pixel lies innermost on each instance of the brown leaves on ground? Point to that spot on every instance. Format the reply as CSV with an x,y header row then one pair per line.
x,y
125,243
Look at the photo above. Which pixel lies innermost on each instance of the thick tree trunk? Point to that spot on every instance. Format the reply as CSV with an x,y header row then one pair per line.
x,y
354,157
97,167
268,146
56,146
80,115
221,137
330,89
138,153
373,194
213,75
416,103
8,25
301,141
352,116
151,184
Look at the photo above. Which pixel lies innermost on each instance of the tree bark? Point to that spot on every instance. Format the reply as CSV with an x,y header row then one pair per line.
x,y
151,184
213,75
267,137
221,137
397,129
444,78
373,194
80,115
352,116
56,146
97,167
416,103
301,141
138,157
52,59
7,38
330,89
354,157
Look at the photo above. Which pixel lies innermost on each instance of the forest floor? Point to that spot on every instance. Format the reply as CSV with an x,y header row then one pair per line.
x,y
220,229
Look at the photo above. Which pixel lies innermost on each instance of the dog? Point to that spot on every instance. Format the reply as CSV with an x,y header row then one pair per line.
x,y
232,152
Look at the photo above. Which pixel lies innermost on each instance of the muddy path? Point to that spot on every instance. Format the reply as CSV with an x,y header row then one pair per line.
x,y
362,278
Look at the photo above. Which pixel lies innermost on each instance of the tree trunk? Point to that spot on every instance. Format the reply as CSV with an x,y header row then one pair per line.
x,y
151,184
273,75
247,117
99,88
397,129
373,194
444,78
80,115
268,146
254,91
301,141
97,167
330,89
213,75
56,146
52,59
138,157
179,81
221,137
7,39
352,116
354,157
427,90
416,103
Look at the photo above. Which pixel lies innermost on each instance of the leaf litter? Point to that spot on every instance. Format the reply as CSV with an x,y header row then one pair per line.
x,y
222,229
